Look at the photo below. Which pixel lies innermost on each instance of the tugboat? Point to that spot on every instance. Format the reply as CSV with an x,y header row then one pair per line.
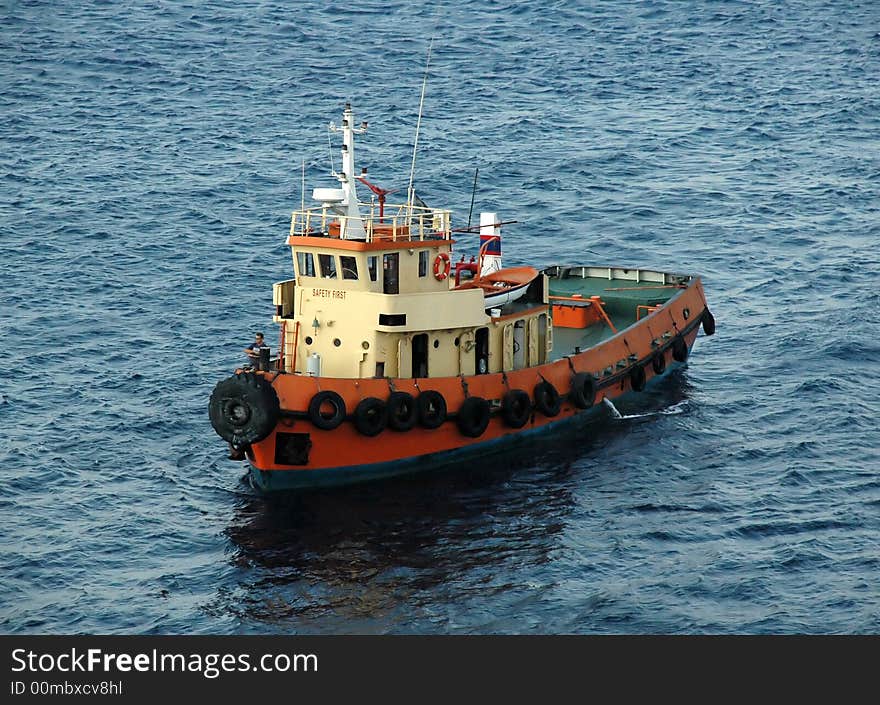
x,y
388,365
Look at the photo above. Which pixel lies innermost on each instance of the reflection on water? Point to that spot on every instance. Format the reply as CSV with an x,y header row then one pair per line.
x,y
384,547
384,556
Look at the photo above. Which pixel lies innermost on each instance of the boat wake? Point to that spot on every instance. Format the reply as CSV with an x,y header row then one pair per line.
x,y
678,408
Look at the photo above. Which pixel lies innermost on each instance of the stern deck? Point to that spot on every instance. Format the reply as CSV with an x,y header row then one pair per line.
x,y
622,292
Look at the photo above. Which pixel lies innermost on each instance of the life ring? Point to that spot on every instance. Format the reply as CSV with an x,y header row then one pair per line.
x,y
658,363
473,417
401,411
318,406
547,399
243,409
431,407
708,321
516,408
637,378
679,349
371,416
583,390
441,266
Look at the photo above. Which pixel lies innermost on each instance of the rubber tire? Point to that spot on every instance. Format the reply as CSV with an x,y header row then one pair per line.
x,y
315,416
583,390
679,349
473,417
708,321
637,378
516,408
658,363
402,411
243,409
547,399
431,408
371,416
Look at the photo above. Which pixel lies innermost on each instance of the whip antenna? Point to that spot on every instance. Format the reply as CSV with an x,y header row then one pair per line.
x,y
473,195
412,169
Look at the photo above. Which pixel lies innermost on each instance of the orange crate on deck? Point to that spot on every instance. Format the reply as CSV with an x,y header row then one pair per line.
x,y
574,314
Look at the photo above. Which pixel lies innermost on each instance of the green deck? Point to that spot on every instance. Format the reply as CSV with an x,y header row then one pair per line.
x,y
621,296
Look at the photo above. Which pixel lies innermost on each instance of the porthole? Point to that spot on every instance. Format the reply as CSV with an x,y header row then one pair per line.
x,y
337,342
308,340
365,345
436,344
455,342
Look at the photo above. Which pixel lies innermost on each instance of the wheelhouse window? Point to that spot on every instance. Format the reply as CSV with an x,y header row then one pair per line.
x,y
348,265
372,266
423,263
391,267
328,266
305,264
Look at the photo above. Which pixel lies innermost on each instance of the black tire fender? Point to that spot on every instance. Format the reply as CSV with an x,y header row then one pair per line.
x,y
658,363
583,390
679,349
547,399
316,410
431,407
708,321
473,417
637,378
402,411
516,408
243,409
371,416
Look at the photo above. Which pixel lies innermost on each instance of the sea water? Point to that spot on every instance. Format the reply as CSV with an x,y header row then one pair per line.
x,y
151,155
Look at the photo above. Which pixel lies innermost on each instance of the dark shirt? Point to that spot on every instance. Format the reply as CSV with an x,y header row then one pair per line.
x,y
255,348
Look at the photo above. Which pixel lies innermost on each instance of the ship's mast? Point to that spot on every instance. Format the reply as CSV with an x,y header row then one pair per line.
x,y
354,227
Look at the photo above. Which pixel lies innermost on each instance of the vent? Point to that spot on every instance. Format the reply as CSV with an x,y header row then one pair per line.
x,y
392,319
292,448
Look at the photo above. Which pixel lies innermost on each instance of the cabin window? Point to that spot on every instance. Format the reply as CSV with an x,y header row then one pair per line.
x,y
391,269
423,263
372,261
348,266
305,263
328,266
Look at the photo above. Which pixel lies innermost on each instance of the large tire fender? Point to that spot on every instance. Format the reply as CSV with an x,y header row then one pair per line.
x,y
244,409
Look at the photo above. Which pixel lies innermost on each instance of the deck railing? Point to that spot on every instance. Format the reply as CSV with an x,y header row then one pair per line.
x,y
397,222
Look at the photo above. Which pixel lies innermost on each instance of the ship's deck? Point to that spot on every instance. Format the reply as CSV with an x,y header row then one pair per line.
x,y
621,298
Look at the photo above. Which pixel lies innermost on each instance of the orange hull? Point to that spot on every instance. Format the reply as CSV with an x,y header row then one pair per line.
x,y
613,363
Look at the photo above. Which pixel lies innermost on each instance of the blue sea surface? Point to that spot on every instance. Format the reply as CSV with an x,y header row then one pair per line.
x,y
151,155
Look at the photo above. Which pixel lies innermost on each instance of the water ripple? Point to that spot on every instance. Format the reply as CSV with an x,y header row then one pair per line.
x,y
151,160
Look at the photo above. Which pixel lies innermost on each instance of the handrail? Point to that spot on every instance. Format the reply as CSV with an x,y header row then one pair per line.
x,y
425,221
